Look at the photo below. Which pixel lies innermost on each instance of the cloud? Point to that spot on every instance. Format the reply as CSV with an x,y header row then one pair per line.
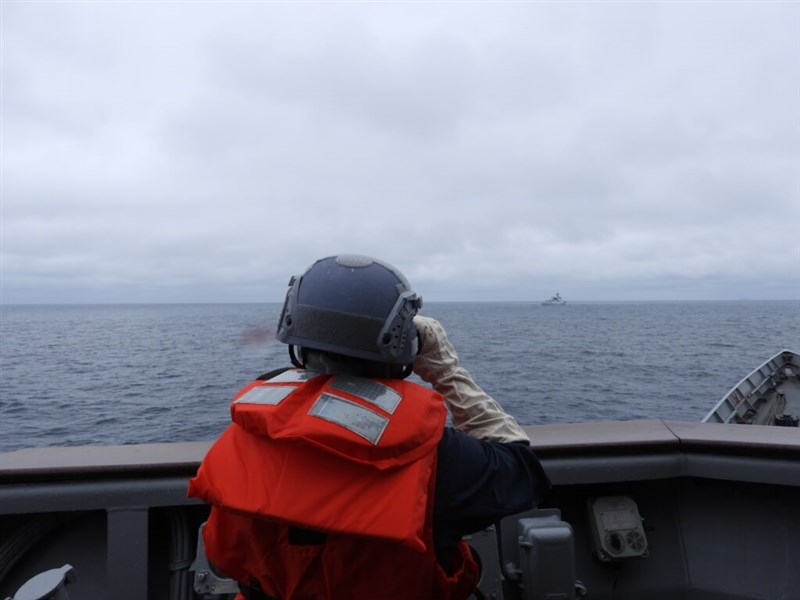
x,y
185,151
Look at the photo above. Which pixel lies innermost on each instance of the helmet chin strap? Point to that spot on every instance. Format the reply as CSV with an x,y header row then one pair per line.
x,y
294,358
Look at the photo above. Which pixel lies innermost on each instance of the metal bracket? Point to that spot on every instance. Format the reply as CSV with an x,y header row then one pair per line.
x,y
207,580
49,585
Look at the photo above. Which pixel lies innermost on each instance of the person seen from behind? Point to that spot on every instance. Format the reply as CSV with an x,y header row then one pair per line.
x,y
339,478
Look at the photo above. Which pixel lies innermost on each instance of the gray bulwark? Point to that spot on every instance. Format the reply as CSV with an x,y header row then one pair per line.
x,y
691,482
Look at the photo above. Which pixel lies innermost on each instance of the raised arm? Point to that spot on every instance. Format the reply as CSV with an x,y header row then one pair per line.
x,y
473,411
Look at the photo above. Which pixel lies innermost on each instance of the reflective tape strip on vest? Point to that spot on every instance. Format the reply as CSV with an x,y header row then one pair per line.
x,y
335,454
381,422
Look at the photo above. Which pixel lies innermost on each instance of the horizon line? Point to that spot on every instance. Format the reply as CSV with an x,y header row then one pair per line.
x,y
280,302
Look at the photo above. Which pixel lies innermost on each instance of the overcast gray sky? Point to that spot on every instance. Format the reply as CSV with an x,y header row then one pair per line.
x,y
206,151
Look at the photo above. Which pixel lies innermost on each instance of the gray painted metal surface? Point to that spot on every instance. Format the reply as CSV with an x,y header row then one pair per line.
x,y
770,395
719,505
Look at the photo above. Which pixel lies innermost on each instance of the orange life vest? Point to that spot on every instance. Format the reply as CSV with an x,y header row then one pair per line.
x,y
352,458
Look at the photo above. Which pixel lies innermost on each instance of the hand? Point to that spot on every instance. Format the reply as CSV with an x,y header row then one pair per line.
x,y
436,358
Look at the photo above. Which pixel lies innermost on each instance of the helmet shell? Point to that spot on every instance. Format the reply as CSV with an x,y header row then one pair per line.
x,y
352,305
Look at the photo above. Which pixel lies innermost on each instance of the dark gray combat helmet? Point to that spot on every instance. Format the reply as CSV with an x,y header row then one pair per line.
x,y
352,305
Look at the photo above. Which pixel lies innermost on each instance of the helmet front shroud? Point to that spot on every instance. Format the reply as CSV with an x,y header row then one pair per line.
x,y
352,306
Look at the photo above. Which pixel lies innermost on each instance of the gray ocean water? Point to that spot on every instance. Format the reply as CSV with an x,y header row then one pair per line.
x,y
124,374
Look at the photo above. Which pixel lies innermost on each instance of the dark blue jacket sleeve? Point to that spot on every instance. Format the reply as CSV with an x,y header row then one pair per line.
x,y
478,483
